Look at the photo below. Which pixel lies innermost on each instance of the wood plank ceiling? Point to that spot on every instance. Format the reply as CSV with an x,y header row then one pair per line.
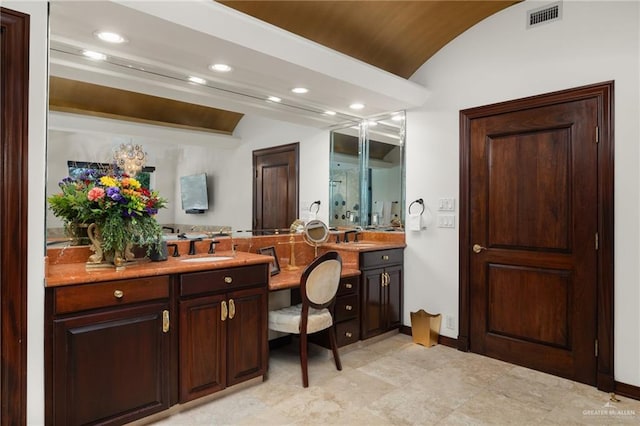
x,y
396,36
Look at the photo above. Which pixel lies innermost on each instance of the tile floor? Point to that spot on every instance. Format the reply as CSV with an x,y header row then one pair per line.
x,y
396,382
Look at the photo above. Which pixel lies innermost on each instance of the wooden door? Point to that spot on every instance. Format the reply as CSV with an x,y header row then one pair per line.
x,y
533,235
247,332
111,367
14,96
275,188
202,346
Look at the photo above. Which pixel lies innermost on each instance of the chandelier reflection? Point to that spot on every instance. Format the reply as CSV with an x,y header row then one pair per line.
x,y
130,158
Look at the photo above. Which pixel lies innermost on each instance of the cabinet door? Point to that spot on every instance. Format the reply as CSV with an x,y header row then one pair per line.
x,y
247,334
202,346
393,302
110,367
373,299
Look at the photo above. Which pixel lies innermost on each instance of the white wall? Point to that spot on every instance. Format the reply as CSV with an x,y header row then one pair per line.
x,y
498,60
37,150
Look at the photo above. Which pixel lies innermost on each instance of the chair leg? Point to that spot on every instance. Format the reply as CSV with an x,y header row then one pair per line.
x,y
303,359
334,347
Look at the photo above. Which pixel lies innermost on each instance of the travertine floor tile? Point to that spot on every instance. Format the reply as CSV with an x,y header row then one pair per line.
x,y
396,382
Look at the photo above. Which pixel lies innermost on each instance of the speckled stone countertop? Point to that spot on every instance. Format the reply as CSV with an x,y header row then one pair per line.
x,y
66,266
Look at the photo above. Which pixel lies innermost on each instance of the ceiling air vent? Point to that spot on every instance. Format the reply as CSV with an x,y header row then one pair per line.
x,y
545,14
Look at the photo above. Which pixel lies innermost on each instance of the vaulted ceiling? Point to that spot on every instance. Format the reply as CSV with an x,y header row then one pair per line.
x,y
171,40
396,36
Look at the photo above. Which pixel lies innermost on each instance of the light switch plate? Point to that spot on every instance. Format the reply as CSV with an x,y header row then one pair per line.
x,y
446,221
447,204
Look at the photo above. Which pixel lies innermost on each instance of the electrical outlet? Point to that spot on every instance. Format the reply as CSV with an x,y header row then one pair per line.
x,y
449,322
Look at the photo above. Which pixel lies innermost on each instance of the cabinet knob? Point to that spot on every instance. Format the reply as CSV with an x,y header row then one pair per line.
x,y
348,334
348,307
228,280
385,257
348,285
118,294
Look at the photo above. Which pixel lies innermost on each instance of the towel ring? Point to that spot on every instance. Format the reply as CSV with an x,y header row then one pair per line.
x,y
418,201
317,204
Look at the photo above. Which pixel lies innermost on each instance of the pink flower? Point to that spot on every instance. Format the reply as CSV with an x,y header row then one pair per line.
x,y
95,194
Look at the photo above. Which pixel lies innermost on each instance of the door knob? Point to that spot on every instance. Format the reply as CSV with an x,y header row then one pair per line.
x,y
477,248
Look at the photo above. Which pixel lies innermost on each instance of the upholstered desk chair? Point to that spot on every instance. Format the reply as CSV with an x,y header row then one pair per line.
x,y
318,288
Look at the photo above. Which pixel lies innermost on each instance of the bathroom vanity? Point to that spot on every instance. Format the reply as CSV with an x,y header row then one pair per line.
x,y
122,345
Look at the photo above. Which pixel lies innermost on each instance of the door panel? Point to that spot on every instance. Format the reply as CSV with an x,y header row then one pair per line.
x,y
247,335
529,171
529,304
533,212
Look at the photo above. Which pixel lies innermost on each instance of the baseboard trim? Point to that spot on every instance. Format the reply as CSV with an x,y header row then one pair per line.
x,y
443,340
630,391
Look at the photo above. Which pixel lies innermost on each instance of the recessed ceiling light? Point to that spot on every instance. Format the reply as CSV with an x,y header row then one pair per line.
x,y
274,99
220,67
197,80
330,112
91,54
300,90
110,37
356,105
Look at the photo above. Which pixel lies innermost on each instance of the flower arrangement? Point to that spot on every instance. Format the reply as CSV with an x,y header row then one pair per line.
x,y
121,208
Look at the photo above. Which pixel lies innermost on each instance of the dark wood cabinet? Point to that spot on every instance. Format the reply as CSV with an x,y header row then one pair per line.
x,y
223,329
382,286
346,314
109,351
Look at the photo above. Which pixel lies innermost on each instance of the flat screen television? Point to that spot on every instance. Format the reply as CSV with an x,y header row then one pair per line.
x,y
193,192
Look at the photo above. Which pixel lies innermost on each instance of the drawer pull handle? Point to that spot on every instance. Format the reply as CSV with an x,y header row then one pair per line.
x,y
228,280
385,257
348,334
118,294
348,285
348,307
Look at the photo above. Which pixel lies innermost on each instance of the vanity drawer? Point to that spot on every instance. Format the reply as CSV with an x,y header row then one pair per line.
x,y
347,307
348,285
223,279
380,258
347,332
112,293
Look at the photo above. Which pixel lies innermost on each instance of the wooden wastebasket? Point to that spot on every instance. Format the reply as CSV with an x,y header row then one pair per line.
x,y
425,328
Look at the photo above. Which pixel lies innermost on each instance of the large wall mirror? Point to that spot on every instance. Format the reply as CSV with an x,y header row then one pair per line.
x,y
366,184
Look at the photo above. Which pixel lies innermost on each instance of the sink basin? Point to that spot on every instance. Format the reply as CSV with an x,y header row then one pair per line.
x,y
206,259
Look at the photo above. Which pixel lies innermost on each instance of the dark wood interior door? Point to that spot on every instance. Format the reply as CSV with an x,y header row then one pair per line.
x,y
14,95
275,187
533,237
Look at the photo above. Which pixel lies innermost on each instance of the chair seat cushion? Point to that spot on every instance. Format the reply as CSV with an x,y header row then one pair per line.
x,y
287,320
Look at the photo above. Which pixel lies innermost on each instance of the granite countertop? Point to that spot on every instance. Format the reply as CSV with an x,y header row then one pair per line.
x,y
363,246
78,273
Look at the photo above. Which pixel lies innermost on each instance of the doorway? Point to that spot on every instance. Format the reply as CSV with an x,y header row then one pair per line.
x,y
14,90
536,234
275,188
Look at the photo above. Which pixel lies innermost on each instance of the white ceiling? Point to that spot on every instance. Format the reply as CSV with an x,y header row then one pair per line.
x,y
171,40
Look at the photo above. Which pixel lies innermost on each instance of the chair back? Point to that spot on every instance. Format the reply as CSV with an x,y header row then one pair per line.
x,y
320,280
